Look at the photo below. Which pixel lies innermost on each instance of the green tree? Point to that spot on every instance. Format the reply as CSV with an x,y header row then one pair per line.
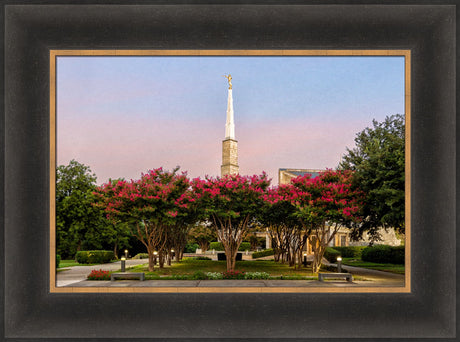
x,y
203,235
378,162
77,221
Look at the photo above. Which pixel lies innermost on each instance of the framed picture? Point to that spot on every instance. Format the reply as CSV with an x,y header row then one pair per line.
x,y
36,36
176,90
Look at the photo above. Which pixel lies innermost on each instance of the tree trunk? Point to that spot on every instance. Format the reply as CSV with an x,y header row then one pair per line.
x,y
151,259
115,250
318,257
78,250
161,259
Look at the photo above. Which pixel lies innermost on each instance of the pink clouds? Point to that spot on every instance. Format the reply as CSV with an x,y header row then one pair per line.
x,y
125,149
294,143
114,148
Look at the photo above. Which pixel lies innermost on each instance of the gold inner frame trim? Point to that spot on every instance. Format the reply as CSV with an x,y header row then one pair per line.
x,y
327,52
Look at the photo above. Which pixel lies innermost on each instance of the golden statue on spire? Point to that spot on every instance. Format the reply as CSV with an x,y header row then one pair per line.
x,y
229,78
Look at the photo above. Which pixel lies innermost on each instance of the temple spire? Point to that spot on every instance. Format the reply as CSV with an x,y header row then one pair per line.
x,y
230,125
229,145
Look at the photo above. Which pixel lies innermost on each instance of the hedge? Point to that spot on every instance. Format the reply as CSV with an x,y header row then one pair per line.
x,y
58,260
263,253
216,246
245,246
94,257
350,251
141,256
191,248
331,254
384,254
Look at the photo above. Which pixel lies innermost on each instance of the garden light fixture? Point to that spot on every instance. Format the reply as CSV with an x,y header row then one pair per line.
x,y
339,264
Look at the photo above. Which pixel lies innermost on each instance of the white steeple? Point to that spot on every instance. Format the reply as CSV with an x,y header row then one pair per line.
x,y
230,125
229,145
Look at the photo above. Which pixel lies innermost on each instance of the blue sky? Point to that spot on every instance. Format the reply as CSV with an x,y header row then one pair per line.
x,y
125,115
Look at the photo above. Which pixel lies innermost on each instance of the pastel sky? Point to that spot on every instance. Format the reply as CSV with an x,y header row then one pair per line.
x,y
125,115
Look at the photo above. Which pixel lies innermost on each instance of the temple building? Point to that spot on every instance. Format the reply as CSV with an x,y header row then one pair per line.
x,y
286,175
229,144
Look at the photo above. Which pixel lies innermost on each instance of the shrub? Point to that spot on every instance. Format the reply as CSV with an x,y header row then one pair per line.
x,y
58,260
218,246
195,259
264,253
214,275
99,275
350,251
94,257
256,275
201,258
331,254
233,274
384,254
141,256
245,246
191,248
199,275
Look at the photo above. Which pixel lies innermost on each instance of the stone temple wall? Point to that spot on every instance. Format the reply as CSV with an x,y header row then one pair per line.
x,y
229,157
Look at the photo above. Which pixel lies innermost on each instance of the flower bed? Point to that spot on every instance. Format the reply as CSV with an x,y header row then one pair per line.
x,y
99,275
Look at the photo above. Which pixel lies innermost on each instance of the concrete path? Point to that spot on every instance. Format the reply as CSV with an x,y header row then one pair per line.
x,y
375,275
233,283
75,274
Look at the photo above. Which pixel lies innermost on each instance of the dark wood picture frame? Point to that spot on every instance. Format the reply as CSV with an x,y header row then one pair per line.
x,y
32,311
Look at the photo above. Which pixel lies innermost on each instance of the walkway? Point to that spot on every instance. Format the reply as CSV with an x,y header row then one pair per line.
x,y
76,276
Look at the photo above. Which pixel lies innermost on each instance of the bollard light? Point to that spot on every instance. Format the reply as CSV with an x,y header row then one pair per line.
x,y
155,253
339,264
126,253
123,264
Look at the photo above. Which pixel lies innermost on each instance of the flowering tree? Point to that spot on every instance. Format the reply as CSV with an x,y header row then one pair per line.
x,y
324,204
230,203
154,204
285,229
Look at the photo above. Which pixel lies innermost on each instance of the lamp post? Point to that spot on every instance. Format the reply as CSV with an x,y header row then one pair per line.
x,y
339,264
155,253
305,259
171,256
123,264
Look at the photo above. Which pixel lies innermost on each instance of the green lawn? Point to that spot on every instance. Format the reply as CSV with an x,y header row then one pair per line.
x,y
393,268
70,263
190,266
